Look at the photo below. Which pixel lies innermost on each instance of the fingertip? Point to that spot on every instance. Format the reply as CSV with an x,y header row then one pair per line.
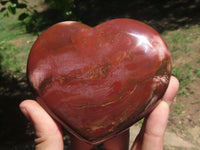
x,y
175,81
36,114
48,132
27,103
24,107
171,90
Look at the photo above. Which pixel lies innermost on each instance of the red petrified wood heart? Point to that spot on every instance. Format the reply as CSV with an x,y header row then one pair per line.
x,y
99,81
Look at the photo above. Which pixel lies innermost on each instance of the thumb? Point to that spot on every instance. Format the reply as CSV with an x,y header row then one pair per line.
x,y
48,132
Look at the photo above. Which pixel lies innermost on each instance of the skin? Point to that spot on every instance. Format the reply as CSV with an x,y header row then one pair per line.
x,y
49,135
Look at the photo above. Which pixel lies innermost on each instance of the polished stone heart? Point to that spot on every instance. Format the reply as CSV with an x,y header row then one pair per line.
x,y
99,81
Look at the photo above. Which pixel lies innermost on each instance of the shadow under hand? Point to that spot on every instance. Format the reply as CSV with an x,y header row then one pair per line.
x,y
13,126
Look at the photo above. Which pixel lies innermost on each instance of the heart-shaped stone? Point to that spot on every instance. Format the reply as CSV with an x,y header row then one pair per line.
x,y
99,81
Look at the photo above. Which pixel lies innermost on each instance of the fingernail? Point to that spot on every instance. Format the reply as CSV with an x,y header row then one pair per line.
x,y
24,111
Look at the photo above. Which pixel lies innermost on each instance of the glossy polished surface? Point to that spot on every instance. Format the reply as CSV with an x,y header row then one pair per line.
x,y
99,81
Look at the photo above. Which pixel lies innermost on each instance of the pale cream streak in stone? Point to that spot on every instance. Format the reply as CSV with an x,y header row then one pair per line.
x,y
40,73
37,77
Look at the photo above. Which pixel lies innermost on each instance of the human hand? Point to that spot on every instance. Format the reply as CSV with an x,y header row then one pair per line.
x,y
152,131
49,135
48,132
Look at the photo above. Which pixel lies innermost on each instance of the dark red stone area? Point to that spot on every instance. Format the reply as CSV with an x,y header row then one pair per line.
x,y
99,81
